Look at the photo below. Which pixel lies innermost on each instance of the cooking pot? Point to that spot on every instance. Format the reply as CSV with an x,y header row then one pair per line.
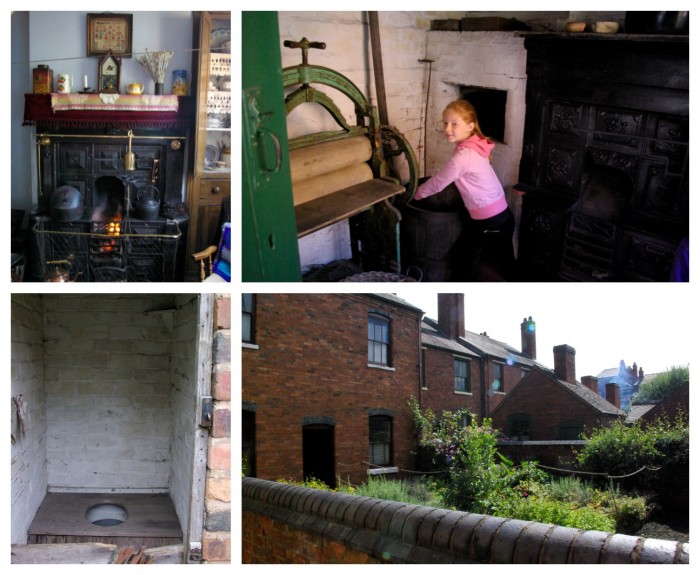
x,y
66,204
147,203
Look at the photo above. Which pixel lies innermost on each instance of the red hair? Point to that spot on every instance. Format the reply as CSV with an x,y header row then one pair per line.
x,y
466,111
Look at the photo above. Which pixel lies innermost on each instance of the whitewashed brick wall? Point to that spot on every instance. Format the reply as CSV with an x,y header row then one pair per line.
x,y
107,375
29,477
183,402
495,60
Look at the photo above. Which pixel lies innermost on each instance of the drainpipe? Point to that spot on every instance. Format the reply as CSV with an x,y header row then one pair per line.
x,y
483,387
420,361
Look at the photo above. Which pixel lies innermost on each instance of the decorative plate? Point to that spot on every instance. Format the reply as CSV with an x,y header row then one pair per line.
x,y
218,38
211,154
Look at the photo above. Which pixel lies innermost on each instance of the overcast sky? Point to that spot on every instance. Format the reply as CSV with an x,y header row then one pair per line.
x,y
650,324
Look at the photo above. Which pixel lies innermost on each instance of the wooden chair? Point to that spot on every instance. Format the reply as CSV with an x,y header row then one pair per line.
x,y
213,259
205,261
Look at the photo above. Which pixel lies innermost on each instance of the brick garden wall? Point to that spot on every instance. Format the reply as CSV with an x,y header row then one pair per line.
x,y
291,524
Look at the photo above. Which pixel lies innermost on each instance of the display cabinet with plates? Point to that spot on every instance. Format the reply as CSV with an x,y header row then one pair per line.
x,y
211,174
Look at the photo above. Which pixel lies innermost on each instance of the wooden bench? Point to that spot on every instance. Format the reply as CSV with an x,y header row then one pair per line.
x,y
345,173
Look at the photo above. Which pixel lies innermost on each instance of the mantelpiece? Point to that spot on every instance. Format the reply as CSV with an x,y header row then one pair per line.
x,y
38,111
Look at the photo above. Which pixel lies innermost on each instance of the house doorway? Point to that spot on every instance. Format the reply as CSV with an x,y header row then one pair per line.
x,y
319,452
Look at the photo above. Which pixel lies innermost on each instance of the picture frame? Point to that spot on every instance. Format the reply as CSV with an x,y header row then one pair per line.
x,y
108,74
109,32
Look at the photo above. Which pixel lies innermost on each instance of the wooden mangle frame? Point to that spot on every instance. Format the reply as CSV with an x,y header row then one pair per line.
x,y
372,207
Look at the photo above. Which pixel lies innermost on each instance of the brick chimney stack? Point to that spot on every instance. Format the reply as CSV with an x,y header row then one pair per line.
x,y
612,394
565,363
591,382
451,314
528,338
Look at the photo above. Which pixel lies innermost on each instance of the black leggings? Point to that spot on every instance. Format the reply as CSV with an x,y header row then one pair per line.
x,y
485,249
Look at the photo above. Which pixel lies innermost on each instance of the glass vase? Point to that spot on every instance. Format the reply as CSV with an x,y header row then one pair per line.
x,y
159,88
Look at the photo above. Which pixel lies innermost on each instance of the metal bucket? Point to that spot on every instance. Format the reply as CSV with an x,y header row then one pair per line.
x,y
430,231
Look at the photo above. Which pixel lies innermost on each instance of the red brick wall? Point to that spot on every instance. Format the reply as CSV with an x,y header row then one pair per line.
x,y
266,540
552,404
310,359
440,394
511,376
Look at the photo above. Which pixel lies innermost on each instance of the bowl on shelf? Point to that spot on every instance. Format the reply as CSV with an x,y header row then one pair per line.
x,y
575,26
606,27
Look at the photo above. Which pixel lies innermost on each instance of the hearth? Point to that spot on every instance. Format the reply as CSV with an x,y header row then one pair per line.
x,y
110,251
604,170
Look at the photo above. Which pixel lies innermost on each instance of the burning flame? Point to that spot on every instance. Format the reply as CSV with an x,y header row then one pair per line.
x,y
113,228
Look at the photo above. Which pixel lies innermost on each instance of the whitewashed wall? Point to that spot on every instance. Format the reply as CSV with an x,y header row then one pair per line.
x,y
495,60
29,477
107,375
183,403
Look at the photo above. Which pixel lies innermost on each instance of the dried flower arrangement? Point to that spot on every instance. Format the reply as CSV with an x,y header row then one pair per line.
x,y
155,63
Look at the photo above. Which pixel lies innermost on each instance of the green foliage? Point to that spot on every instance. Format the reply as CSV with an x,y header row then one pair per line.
x,y
662,449
477,473
662,385
571,490
416,492
533,508
480,480
618,450
630,513
310,482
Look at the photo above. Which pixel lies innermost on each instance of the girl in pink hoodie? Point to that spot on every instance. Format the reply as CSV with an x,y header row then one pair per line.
x,y
488,245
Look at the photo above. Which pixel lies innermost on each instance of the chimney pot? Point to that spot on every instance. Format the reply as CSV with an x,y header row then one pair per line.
x,y
528,338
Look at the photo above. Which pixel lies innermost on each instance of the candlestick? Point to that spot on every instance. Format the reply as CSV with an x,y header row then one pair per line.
x,y
85,82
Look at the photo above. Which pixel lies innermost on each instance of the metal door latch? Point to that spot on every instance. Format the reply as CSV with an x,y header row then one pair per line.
x,y
205,418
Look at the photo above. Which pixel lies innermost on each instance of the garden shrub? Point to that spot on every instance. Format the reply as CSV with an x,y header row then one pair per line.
x,y
533,508
662,448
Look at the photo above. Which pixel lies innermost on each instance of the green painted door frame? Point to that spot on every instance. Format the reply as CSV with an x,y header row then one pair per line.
x,y
270,250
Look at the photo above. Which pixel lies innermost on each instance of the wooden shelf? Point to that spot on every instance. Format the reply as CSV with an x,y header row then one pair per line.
x,y
321,212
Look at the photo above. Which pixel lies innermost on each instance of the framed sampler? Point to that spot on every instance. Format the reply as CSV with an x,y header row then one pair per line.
x,y
109,32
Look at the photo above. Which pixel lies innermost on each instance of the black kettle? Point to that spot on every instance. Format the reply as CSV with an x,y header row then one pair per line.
x,y
147,203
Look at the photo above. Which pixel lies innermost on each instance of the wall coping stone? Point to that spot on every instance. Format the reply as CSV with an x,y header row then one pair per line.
x,y
393,532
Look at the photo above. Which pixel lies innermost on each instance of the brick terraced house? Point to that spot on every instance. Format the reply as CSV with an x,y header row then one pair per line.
x,y
327,379
326,384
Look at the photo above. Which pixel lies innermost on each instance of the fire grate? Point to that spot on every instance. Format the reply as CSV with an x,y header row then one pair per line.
x,y
137,251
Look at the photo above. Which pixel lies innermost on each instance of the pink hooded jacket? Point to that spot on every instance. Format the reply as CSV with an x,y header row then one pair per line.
x,y
470,169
